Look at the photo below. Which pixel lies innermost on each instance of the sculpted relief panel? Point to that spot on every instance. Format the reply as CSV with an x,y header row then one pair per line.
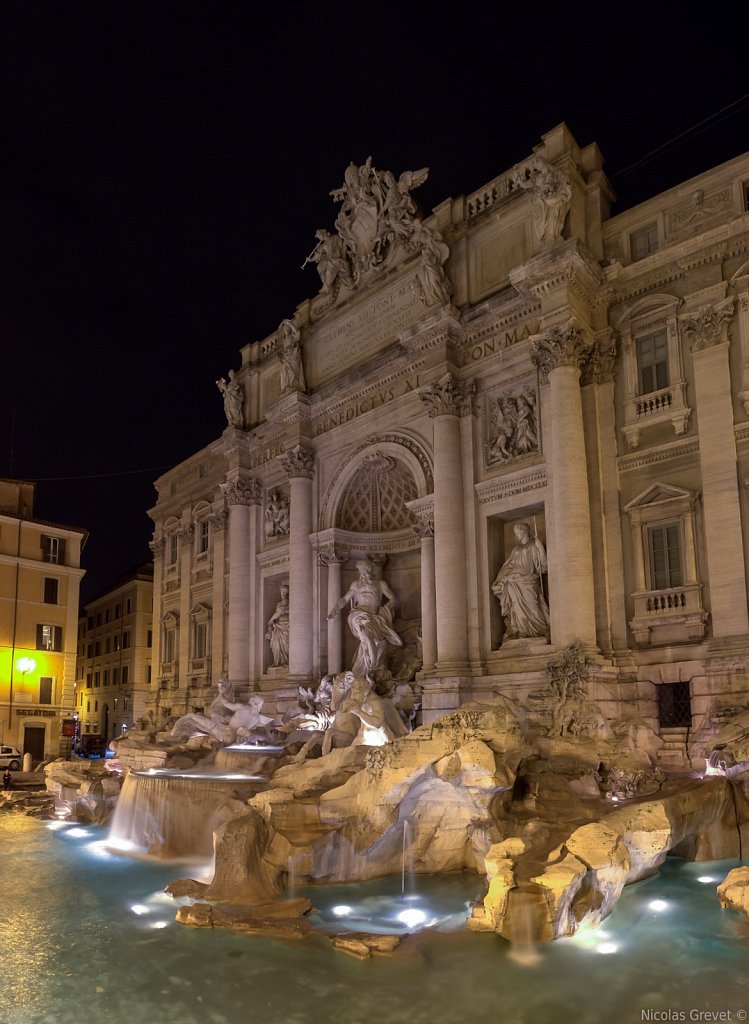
x,y
510,424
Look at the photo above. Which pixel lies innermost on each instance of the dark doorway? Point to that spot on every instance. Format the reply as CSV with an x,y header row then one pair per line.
x,y
674,705
105,722
33,742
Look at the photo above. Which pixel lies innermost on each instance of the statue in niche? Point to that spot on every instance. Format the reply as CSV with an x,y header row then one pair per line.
x,y
513,424
277,516
519,588
552,196
233,400
432,281
290,354
370,620
278,629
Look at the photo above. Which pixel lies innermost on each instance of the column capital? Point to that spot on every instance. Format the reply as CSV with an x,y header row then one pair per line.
x,y
424,529
330,556
298,462
242,492
156,544
560,345
710,324
599,366
217,520
186,530
448,396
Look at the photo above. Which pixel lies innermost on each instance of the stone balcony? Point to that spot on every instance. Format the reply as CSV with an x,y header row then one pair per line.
x,y
673,615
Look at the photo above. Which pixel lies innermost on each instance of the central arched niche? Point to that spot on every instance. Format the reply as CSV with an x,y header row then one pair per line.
x,y
365,513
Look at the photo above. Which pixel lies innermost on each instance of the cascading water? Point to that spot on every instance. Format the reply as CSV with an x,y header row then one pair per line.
x,y
173,814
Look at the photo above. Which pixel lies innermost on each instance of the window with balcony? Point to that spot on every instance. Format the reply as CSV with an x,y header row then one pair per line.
x,y
664,549
652,362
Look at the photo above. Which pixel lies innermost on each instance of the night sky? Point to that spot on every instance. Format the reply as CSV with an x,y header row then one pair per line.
x,y
166,165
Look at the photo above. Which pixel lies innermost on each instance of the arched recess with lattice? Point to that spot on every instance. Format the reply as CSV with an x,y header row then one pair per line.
x,y
373,483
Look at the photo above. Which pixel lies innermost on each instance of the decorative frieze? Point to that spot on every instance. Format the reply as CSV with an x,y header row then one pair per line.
x,y
449,396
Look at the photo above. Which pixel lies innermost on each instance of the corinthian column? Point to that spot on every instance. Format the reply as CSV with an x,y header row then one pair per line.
x,y
447,400
425,531
559,354
298,464
240,496
335,625
720,485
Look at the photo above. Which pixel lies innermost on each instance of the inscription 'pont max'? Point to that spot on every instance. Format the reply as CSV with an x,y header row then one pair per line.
x,y
365,332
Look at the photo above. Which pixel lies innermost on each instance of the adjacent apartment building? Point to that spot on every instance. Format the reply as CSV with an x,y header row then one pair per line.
x,y
114,656
520,372
40,578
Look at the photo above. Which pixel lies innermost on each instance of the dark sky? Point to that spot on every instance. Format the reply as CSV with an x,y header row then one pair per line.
x,y
166,165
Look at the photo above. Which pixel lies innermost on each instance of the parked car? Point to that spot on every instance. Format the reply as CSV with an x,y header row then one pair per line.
x,y
10,758
92,746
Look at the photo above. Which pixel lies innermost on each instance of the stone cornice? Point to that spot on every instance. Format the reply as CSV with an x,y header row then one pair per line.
x,y
275,557
660,453
433,330
347,543
568,265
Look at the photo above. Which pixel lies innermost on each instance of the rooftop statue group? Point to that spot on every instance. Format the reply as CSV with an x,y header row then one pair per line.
x,y
377,217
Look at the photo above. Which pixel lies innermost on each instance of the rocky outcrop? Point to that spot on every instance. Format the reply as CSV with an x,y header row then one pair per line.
x,y
733,891
87,790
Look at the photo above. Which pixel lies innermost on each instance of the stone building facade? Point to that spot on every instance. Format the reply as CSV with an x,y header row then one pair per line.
x,y
518,357
40,578
113,671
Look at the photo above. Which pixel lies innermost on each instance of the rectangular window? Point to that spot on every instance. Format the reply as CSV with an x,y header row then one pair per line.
x,y
96,705
125,703
90,622
48,638
171,549
644,241
116,703
652,362
125,675
169,646
149,640
107,645
97,678
125,641
88,707
117,611
89,679
106,677
90,651
97,648
201,639
53,550
115,677
116,643
127,607
202,537
148,674
45,690
51,590
98,618
665,556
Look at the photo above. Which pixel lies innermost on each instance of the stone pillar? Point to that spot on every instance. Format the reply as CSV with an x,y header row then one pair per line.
x,y
157,550
447,400
335,625
186,534
240,495
559,353
218,559
720,486
298,463
425,530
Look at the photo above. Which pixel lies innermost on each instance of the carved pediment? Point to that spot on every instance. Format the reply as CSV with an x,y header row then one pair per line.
x,y
170,619
658,306
658,494
200,611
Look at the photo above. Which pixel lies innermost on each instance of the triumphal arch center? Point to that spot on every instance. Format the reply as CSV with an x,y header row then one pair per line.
x,y
509,426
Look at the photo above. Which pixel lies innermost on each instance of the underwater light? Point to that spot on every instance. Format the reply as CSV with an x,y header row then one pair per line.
x,y
706,879
159,924
139,908
341,910
54,825
658,905
78,833
607,947
411,918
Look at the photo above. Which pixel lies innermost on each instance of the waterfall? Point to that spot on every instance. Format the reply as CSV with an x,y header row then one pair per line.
x,y
171,816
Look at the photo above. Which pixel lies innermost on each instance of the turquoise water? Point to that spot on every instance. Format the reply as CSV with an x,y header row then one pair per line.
x,y
87,936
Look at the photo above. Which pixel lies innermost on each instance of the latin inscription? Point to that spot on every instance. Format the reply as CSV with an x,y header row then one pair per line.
x,y
365,332
366,404
490,347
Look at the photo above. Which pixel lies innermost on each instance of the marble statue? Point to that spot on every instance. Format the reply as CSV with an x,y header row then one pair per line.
x,y
278,629
370,620
233,400
290,354
519,588
432,281
277,516
247,723
377,215
552,196
214,723
379,720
